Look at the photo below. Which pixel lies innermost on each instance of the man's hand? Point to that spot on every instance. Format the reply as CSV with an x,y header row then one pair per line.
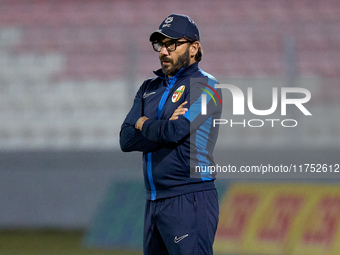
x,y
179,111
140,122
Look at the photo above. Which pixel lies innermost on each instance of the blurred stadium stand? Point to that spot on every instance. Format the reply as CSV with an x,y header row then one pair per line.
x,y
69,71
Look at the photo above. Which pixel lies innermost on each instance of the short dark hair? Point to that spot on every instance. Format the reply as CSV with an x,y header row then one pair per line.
x,y
199,54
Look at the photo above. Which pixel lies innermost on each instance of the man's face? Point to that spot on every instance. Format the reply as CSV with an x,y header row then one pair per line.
x,y
173,61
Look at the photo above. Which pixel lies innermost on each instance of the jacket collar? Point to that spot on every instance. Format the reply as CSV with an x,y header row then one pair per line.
x,y
183,72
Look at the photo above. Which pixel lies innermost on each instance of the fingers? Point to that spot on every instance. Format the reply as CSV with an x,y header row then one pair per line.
x,y
182,104
140,122
179,111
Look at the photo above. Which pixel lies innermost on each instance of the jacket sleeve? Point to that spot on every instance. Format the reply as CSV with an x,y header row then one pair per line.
x,y
173,131
132,139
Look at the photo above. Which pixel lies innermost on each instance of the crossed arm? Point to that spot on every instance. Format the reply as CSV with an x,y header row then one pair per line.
x,y
148,135
179,111
131,137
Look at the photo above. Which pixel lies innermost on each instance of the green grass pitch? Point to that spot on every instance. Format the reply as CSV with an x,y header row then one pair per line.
x,y
49,242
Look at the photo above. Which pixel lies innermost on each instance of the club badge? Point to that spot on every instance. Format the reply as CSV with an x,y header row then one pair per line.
x,y
178,93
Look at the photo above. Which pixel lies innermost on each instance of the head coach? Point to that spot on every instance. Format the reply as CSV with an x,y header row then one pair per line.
x,y
166,124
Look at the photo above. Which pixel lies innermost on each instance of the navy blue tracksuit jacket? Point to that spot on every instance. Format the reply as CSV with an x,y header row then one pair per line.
x,y
172,148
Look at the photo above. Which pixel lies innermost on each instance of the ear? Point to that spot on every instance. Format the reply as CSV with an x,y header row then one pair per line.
x,y
194,48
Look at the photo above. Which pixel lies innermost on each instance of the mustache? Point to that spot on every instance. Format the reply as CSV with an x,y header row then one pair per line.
x,y
166,59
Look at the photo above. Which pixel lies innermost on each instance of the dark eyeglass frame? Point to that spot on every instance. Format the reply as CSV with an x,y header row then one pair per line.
x,y
167,45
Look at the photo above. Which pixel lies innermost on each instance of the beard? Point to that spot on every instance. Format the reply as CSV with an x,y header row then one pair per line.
x,y
172,69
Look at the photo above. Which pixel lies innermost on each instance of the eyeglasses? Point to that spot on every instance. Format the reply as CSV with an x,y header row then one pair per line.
x,y
169,45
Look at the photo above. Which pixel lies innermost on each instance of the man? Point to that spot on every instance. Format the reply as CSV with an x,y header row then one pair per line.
x,y
166,124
